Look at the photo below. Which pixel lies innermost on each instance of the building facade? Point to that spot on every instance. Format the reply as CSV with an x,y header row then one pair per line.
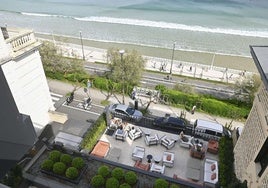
x,y
22,68
251,149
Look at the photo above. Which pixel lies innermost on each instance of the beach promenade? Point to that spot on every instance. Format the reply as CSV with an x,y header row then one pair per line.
x,y
188,69
216,67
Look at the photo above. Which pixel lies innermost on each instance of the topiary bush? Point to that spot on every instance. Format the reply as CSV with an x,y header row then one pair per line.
x,y
97,181
55,155
71,173
66,159
124,185
112,183
59,168
104,171
118,173
78,163
131,178
47,165
160,183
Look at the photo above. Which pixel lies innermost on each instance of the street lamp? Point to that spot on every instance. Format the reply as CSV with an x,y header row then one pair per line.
x,y
172,57
82,45
123,77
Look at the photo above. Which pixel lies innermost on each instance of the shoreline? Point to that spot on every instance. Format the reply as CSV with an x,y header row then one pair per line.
x,y
206,58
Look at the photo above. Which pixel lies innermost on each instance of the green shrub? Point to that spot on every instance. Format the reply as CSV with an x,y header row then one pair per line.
x,y
160,183
97,181
71,173
104,171
59,168
93,135
174,186
78,163
55,155
221,107
118,173
112,183
66,159
160,87
101,83
76,77
131,178
47,165
124,185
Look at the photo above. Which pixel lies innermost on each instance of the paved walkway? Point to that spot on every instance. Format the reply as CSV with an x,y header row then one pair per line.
x,y
156,109
202,71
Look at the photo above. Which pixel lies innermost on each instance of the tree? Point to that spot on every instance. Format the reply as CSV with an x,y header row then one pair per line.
x,y
53,60
249,85
125,68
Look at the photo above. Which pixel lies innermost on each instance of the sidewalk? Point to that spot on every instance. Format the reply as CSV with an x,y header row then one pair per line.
x,y
156,109
189,69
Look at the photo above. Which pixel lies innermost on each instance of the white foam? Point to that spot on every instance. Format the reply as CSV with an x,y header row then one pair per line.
x,y
168,25
44,15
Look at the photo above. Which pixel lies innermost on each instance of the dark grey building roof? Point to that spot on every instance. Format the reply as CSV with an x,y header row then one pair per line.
x,y
260,57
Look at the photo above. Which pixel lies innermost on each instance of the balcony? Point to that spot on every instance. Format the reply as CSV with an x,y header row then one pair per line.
x,y
21,40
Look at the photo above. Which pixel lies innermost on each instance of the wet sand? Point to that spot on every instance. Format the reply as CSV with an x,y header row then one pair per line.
x,y
220,60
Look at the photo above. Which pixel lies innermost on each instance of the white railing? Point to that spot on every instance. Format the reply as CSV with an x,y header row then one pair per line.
x,y
21,40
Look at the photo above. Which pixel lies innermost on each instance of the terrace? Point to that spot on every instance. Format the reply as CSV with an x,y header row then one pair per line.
x,y
150,160
185,166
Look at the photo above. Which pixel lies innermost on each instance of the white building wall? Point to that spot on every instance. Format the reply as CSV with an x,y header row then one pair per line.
x,y
4,49
27,81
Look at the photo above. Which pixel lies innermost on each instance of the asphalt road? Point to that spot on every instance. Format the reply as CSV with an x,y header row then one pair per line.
x,y
151,79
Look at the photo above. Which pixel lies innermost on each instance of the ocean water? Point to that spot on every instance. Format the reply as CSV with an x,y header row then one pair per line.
x,y
221,26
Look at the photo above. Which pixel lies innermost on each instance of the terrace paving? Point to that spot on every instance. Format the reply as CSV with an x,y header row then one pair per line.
x,y
184,164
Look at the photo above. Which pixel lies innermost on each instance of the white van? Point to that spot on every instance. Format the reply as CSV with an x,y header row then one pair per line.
x,y
209,129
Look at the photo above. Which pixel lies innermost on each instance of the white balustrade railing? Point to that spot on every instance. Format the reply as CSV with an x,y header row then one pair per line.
x,y
21,40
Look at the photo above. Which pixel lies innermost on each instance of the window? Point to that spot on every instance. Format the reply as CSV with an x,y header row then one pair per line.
x,y
210,132
262,159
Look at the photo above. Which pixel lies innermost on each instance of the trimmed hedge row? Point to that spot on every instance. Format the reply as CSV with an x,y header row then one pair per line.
x,y
106,84
226,165
231,108
94,133
71,77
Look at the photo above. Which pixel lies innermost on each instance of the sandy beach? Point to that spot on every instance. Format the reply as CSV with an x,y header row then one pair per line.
x,y
220,60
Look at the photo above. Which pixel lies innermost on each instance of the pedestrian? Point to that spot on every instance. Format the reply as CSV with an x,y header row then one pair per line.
x,y
193,109
190,68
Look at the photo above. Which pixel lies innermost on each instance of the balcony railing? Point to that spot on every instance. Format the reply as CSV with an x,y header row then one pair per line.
x,y
21,40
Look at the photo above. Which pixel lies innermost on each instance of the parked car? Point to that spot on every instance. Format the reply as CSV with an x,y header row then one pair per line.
x,y
125,112
170,124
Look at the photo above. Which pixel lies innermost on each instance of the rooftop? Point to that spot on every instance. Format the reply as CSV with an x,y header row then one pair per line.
x,y
260,57
183,162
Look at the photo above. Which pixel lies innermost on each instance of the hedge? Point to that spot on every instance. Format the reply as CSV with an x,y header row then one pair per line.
x,y
226,165
94,133
225,108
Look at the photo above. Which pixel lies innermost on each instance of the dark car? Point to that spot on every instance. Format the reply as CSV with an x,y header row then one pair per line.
x,y
125,112
173,124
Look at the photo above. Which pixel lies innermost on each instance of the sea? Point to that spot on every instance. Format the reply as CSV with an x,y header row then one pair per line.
x,y
218,26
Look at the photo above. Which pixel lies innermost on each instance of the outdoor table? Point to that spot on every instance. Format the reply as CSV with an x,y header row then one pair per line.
x,y
149,157
157,159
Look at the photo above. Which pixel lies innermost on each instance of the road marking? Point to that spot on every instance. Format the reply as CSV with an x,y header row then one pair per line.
x,y
55,94
75,108
55,98
91,103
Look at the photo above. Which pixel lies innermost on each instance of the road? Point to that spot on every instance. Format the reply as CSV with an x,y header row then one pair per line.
x,y
151,79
